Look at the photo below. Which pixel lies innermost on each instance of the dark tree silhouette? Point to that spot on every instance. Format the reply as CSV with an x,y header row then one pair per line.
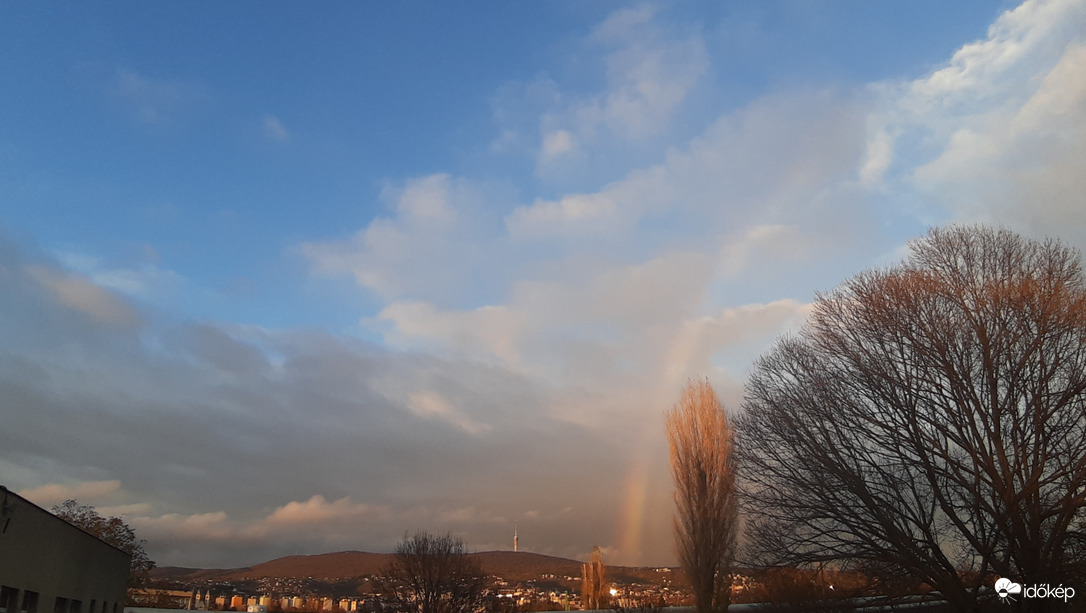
x,y
703,468
930,420
433,574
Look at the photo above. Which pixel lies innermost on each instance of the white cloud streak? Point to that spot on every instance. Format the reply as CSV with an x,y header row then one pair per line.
x,y
274,130
88,492
154,100
83,295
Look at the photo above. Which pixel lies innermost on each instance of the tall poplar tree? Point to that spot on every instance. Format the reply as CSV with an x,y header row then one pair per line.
x,y
703,466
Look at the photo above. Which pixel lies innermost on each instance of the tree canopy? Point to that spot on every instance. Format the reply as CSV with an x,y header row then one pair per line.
x,y
433,574
930,420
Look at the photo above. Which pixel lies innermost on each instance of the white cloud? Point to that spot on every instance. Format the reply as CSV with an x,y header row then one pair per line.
x,y
198,528
648,70
274,129
144,281
315,520
486,330
878,156
83,295
1023,163
88,492
649,73
317,510
998,70
617,341
557,143
432,405
155,100
469,515
997,135
779,160
591,214
124,510
426,248
574,306
313,524
613,315
770,246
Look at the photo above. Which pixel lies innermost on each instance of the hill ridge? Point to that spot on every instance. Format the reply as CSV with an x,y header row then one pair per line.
x,y
510,565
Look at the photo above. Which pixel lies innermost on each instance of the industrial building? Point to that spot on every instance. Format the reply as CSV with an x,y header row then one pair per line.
x,y
49,566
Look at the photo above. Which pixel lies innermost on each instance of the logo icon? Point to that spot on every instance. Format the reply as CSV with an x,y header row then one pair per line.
x,y
1005,587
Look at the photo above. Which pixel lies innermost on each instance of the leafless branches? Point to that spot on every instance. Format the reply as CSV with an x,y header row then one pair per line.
x,y
930,420
703,467
433,574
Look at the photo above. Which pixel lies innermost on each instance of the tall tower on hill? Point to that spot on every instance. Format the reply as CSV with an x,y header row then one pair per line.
x,y
516,538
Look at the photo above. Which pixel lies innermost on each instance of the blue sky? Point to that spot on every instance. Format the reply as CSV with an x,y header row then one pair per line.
x,y
414,265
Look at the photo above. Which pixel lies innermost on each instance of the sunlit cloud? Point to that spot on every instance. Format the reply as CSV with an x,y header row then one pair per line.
x,y
202,527
317,510
87,492
1001,125
83,295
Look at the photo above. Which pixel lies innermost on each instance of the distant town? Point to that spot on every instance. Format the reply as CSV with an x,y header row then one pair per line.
x,y
521,581
517,580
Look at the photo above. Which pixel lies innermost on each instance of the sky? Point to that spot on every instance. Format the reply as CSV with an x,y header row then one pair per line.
x,y
291,278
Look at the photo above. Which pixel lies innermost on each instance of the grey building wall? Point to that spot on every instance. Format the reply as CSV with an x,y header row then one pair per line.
x,y
49,566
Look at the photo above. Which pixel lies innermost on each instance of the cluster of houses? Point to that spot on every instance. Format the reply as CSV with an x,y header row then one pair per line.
x,y
203,600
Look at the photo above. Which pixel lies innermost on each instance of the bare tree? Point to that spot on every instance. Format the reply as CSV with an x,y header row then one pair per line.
x,y
593,580
703,466
433,574
930,420
114,531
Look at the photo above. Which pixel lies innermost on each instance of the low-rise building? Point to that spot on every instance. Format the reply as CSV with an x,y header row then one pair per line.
x,y
49,566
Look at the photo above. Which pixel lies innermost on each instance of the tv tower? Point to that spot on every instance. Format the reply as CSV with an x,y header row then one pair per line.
x,y
516,538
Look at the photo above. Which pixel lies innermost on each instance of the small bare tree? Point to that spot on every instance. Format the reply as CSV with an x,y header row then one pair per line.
x,y
433,574
703,466
929,422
